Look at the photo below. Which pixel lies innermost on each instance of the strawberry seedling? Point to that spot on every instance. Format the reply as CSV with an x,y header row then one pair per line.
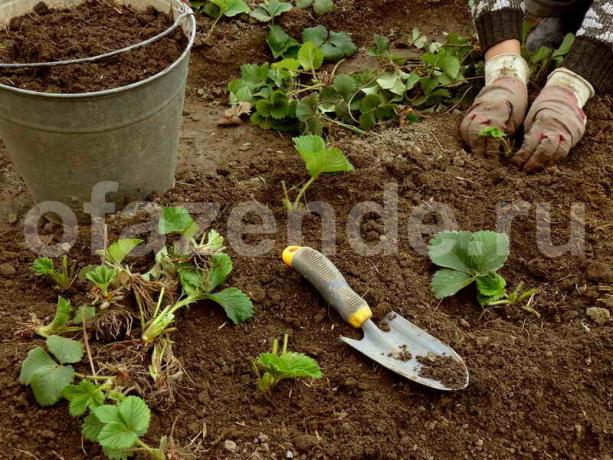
x,y
63,277
63,321
469,258
273,367
102,277
294,94
201,266
218,9
497,135
318,159
320,7
544,59
268,10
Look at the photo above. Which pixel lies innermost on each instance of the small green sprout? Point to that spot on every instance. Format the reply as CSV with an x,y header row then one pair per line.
x,y
518,296
102,277
63,277
272,367
496,133
319,159
63,321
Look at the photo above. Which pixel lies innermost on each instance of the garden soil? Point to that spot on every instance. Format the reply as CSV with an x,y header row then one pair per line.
x,y
540,386
93,28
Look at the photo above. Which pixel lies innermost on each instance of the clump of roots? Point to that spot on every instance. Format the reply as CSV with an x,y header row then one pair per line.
x,y
113,324
193,450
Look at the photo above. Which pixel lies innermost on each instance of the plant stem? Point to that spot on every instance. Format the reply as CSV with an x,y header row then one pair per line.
x,y
214,25
355,129
87,348
303,190
94,377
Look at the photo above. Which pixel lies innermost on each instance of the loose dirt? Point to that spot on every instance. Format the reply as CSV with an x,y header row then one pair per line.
x,y
445,369
539,385
95,27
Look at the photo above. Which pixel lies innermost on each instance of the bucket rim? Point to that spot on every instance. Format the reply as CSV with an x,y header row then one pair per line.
x,y
112,91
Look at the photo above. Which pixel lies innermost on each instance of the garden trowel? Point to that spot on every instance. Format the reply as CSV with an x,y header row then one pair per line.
x,y
399,345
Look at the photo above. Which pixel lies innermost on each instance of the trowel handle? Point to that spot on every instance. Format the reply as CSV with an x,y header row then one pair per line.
x,y
330,283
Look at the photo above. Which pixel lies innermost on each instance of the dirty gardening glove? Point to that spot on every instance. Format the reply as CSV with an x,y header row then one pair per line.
x,y
502,103
556,121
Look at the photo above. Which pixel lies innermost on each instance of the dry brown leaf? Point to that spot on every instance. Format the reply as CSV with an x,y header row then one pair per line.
x,y
232,116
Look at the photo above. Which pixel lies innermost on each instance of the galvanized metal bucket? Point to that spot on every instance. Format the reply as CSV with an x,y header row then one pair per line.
x,y
64,144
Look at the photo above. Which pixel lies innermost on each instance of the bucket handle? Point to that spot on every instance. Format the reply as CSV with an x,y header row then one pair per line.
x,y
105,55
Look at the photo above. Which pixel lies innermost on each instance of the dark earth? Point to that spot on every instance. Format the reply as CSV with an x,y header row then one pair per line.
x,y
93,28
540,387
447,370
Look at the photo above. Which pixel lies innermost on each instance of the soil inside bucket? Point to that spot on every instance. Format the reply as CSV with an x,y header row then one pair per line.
x,y
92,28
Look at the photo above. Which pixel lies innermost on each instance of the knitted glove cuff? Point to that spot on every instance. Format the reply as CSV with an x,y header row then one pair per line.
x,y
497,26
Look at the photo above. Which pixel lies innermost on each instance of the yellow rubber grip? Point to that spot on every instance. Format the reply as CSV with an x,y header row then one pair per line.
x,y
330,283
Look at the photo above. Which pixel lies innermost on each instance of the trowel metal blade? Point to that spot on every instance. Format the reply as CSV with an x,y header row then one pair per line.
x,y
385,347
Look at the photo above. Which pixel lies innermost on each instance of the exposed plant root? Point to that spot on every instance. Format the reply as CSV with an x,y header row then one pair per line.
x,y
112,324
148,291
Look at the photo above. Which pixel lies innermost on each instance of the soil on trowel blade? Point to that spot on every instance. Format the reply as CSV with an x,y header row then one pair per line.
x,y
93,28
447,370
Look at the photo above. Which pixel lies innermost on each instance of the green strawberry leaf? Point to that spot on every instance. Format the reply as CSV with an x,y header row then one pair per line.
x,y
67,351
119,250
279,42
83,313
63,312
270,9
221,267
123,424
236,304
310,56
322,7
447,282
334,45
235,7
43,266
307,111
472,253
491,285
91,427
45,376
38,360
320,159
85,395
177,220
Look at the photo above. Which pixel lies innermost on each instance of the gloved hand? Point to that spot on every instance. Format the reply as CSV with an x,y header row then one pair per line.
x,y
503,105
554,125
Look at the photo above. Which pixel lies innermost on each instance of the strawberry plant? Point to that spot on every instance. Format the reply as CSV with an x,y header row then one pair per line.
x,y
201,266
48,373
497,135
63,277
295,94
319,159
469,258
102,277
273,367
63,321
268,10
544,59
320,7
218,9
191,269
